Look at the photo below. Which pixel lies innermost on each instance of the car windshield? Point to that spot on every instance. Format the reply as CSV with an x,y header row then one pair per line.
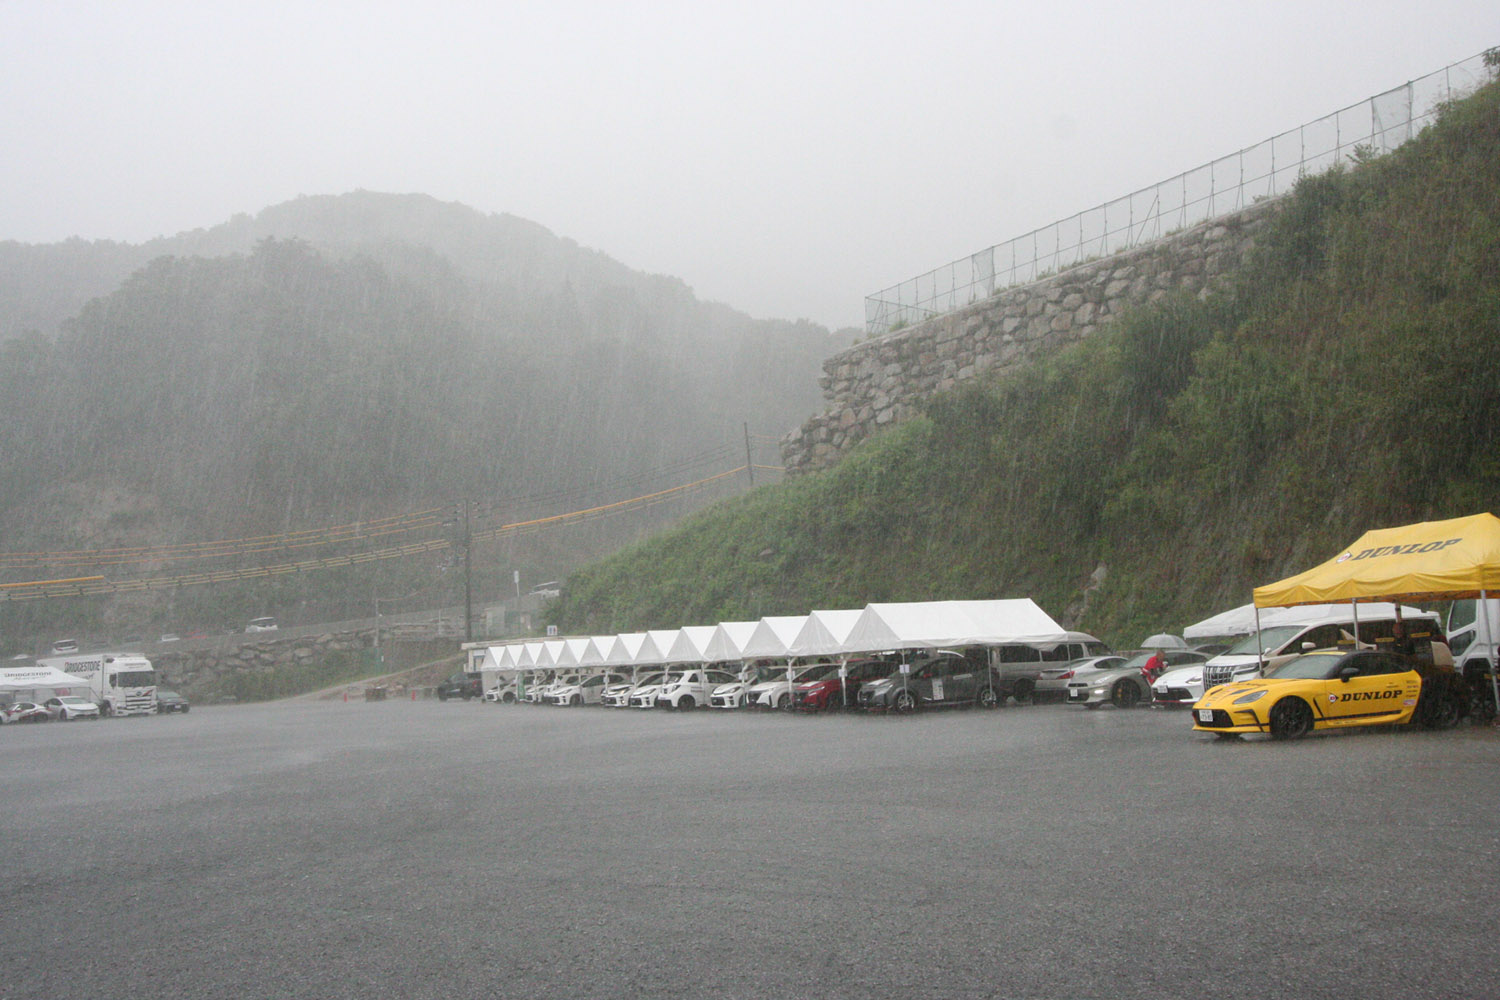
x,y
1270,638
819,672
166,694
1136,662
1310,666
72,700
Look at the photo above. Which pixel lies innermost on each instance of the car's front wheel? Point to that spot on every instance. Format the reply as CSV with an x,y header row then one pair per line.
x,y
904,702
1125,694
987,697
686,703
1291,719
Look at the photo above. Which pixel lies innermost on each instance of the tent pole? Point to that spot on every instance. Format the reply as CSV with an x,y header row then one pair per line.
x,y
1354,610
1490,657
1260,653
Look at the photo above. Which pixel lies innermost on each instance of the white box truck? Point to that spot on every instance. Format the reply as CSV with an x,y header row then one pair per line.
x,y
119,683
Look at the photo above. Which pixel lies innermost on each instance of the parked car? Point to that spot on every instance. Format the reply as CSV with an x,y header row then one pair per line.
x,y
169,637
776,691
835,692
170,701
68,707
262,625
618,695
1020,664
24,711
65,646
1124,685
587,690
1052,682
692,688
946,677
732,695
460,685
1334,689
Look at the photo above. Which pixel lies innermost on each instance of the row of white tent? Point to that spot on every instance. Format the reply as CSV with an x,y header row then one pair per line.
x,y
835,634
845,633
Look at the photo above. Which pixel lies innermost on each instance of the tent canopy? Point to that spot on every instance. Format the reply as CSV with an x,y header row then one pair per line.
x,y
622,651
950,623
1430,560
33,678
728,641
824,633
690,644
772,636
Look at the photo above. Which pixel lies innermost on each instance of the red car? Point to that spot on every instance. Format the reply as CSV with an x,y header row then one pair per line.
x,y
829,694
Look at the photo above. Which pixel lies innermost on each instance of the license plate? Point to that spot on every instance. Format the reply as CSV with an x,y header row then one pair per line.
x,y
1205,715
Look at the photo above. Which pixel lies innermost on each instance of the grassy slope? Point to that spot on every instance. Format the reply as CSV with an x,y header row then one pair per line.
x,y
1196,448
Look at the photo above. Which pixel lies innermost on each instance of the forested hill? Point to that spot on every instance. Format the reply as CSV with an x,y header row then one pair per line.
x,y
1186,454
343,357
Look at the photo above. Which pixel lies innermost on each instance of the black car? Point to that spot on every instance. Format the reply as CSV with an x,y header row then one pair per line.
x,y
170,701
460,685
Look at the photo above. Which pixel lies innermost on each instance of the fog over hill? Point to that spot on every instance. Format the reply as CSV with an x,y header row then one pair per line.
x,y
352,356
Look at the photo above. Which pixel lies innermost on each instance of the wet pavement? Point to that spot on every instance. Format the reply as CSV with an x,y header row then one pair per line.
x,y
425,849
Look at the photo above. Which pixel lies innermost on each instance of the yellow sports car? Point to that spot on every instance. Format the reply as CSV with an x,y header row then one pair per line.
x,y
1331,689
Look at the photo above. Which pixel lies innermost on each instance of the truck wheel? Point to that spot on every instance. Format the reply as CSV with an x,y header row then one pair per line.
x,y
1125,694
106,710
1442,712
1290,719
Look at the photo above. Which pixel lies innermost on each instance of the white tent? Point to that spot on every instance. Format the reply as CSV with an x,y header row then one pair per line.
x,y
950,623
772,636
691,642
38,679
728,641
597,651
653,652
551,650
824,633
1241,620
572,651
622,651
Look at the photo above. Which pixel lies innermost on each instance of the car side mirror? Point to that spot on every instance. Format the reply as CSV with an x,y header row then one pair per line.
x,y
1347,672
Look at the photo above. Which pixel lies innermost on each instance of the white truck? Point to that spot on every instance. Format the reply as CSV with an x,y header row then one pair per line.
x,y
119,683
1474,638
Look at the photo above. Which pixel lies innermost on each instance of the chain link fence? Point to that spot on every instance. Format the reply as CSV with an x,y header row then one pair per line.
x,y
1370,128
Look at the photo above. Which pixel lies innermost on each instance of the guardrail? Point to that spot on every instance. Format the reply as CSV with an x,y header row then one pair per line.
x,y
1270,168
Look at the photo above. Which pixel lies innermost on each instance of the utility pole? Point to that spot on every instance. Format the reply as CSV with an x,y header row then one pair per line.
x,y
468,579
749,465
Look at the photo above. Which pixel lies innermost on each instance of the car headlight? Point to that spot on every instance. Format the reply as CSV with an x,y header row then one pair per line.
x,y
1246,699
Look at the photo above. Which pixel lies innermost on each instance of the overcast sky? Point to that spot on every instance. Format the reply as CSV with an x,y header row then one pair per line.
x,y
785,158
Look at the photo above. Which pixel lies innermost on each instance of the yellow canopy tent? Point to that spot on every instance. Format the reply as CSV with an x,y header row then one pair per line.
x,y
1429,561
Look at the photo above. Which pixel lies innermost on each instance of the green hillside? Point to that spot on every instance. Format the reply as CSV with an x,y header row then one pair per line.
x,y
1194,449
344,358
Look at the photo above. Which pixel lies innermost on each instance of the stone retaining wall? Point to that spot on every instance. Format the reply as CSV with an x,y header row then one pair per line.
x,y
197,673
880,382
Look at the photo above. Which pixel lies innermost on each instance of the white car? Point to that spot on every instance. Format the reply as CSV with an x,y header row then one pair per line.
x,y
687,689
776,692
1180,687
584,691
68,707
262,625
618,695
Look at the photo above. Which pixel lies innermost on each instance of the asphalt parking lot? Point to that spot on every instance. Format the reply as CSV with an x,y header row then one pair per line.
x,y
431,849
